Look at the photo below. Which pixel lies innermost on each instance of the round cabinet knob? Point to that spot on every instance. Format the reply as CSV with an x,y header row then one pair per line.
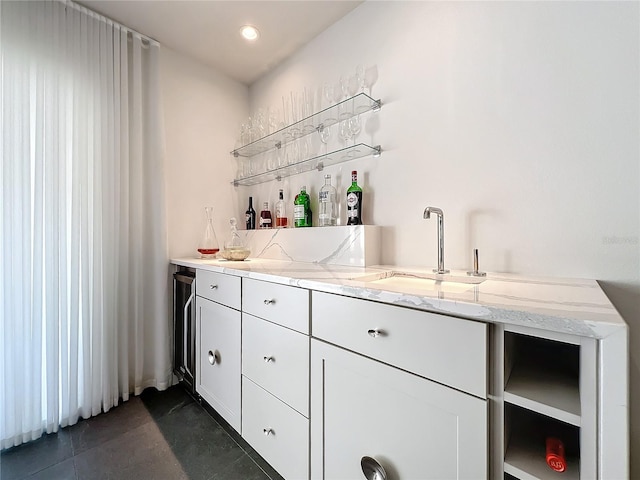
x,y
268,431
268,359
213,287
213,357
269,301
375,333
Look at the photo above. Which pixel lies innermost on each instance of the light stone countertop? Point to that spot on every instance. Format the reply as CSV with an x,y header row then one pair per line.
x,y
572,306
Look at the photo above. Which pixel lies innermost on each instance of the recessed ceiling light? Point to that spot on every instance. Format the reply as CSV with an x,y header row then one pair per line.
x,y
249,32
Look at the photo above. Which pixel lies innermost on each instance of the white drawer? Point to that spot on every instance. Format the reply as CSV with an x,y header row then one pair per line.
x,y
277,359
449,350
275,431
219,287
282,304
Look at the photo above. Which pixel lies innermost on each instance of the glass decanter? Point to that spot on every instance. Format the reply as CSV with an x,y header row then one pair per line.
x,y
208,246
234,248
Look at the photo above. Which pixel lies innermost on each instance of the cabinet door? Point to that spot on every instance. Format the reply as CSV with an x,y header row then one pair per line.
x,y
219,359
415,428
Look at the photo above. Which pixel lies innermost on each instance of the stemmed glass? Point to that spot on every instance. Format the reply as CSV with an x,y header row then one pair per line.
x,y
328,92
355,127
345,132
324,134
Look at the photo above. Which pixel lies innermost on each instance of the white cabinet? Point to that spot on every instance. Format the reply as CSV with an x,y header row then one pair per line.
x,y
415,428
218,349
403,412
275,375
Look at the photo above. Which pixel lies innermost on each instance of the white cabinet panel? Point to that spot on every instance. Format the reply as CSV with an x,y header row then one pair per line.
x,y
221,288
448,350
277,359
282,304
219,359
276,431
415,428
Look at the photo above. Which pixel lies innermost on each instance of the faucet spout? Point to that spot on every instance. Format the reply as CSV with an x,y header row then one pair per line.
x,y
440,214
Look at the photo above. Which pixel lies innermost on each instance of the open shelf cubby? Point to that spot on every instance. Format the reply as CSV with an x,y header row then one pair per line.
x,y
526,433
543,376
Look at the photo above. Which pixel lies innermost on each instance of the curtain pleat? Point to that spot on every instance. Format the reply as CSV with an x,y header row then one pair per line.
x,y
83,250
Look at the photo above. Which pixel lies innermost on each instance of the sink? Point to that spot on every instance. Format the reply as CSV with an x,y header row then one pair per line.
x,y
412,281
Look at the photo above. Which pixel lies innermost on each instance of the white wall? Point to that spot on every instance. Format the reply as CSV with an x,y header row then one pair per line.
x,y
201,111
519,119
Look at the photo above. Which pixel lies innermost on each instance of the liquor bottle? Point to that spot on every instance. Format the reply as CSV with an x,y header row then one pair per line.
x,y
327,203
265,216
250,215
302,209
281,212
354,201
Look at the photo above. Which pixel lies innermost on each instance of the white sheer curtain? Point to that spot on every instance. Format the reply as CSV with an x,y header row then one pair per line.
x,y
83,288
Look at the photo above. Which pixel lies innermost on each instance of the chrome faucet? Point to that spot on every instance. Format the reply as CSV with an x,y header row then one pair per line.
x,y
439,213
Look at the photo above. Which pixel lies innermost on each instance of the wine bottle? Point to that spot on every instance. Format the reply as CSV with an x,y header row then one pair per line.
x,y
302,209
354,201
250,215
281,212
327,203
265,216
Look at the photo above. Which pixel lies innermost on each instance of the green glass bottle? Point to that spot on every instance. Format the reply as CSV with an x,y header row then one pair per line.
x,y
302,209
354,201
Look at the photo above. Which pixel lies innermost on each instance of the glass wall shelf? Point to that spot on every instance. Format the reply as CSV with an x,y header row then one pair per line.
x,y
315,163
344,110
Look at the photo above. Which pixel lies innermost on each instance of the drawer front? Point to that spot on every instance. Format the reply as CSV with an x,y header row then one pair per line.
x,y
449,350
275,431
282,304
219,287
277,359
219,368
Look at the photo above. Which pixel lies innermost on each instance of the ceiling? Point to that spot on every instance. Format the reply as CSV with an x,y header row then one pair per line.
x,y
208,30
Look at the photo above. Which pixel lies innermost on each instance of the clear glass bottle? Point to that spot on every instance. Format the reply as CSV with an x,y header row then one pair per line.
x,y
354,201
327,206
208,246
265,216
281,212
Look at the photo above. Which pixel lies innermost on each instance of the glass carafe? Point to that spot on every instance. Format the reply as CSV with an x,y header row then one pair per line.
x,y
208,246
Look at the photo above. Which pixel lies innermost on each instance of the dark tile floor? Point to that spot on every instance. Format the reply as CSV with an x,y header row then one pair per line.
x,y
158,435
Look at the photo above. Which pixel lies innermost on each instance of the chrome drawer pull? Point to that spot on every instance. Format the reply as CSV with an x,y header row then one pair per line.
x,y
268,431
269,301
268,359
213,358
213,287
376,333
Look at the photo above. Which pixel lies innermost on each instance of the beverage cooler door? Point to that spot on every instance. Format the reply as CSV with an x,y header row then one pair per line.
x,y
184,328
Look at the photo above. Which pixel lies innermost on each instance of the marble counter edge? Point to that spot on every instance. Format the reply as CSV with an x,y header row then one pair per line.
x,y
338,280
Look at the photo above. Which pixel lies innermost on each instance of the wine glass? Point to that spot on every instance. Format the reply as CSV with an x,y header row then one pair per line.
x,y
360,77
328,91
345,132
370,77
324,134
355,127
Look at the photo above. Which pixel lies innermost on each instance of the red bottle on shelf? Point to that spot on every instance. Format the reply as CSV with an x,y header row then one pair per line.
x,y
555,455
